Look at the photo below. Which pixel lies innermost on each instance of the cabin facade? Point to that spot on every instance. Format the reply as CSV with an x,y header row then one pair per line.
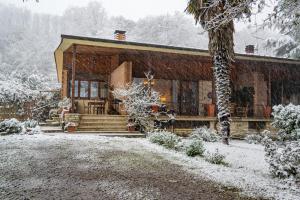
x,y
90,68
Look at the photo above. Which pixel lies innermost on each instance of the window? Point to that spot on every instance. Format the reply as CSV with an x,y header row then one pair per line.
x,y
84,89
76,88
88,89
103,90
94,89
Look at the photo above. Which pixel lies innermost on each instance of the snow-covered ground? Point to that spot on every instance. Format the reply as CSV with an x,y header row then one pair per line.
x,y
248,170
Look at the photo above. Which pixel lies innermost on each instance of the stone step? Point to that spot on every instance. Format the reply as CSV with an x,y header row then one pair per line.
x,y
117,117
51,129
102,126
103,120
102,123
113,133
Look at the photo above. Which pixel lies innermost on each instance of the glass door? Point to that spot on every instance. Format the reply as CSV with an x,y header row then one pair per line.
x,y
188,98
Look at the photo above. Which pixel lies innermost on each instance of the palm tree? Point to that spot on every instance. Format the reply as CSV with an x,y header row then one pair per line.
x,y
216,16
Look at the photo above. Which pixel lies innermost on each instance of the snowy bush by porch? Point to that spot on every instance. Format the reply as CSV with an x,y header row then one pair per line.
x,y
138,99
283,158
283,155
164,138
205,134
14,126
10,126
254,138
287,120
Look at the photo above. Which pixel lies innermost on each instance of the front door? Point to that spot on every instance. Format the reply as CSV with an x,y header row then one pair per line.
x,y
188,98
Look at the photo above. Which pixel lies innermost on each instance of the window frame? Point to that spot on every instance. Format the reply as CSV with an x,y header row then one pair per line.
x,y
89,89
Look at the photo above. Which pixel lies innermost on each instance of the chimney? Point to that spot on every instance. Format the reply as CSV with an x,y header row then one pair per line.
x,y
249,49
120,35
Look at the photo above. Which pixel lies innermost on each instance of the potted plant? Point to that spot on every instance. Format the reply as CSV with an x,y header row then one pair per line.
x,y
131,125
267,111
71,127
154,108
211,108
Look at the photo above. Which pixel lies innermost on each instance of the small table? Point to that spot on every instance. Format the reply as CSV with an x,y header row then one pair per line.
x,y
97,106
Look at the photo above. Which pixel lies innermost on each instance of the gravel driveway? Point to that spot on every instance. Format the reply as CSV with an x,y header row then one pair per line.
x,y
65,166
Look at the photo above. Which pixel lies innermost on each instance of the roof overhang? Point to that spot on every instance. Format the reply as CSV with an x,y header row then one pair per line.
x,y
68,40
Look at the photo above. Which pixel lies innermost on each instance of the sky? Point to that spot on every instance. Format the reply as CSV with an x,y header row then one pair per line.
x,y
131,9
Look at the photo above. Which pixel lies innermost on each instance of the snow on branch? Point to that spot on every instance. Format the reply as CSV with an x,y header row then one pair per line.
x,y
138,99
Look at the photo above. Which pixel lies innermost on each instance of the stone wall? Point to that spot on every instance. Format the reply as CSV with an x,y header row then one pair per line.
x,y
72,117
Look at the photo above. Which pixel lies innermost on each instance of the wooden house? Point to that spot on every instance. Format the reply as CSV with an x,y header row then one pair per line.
x,y
89,68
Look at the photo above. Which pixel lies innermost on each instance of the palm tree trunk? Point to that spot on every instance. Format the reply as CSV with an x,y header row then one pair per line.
x,y
222,81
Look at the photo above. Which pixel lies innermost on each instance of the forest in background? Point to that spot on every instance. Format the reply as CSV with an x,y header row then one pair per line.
x,y
28,40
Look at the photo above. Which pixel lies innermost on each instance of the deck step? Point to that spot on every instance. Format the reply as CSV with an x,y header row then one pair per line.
x,y
51,129
114,133
102,123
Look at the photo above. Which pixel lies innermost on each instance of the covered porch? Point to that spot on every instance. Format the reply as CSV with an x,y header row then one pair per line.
x,y
183,77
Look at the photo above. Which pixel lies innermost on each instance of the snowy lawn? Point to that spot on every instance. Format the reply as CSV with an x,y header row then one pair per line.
x,y
89,166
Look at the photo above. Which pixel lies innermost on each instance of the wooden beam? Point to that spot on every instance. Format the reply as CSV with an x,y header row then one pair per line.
x,y
73,76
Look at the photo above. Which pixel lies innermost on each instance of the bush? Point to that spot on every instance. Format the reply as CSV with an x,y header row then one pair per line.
x,y
283,158
30,123
194,147
254,138
10,126
287,120
205,134
164,138
216,158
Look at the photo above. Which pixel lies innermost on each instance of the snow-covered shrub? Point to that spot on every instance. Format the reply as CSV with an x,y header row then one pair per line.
x,y
33,131
30,123
205,134
138,99
216,158
254,138
287,120
283,158
164,138
31,127
10,126
65,102
43,105
194,147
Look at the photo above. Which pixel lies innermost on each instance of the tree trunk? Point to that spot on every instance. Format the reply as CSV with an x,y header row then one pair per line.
x,y
223,91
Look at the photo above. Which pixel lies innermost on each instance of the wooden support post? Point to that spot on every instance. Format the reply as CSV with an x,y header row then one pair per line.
x,y
73,76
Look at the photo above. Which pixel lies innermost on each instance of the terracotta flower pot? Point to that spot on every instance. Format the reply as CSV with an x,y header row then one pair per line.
x,y
131,128
71,129
211,110
154,108
267,111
